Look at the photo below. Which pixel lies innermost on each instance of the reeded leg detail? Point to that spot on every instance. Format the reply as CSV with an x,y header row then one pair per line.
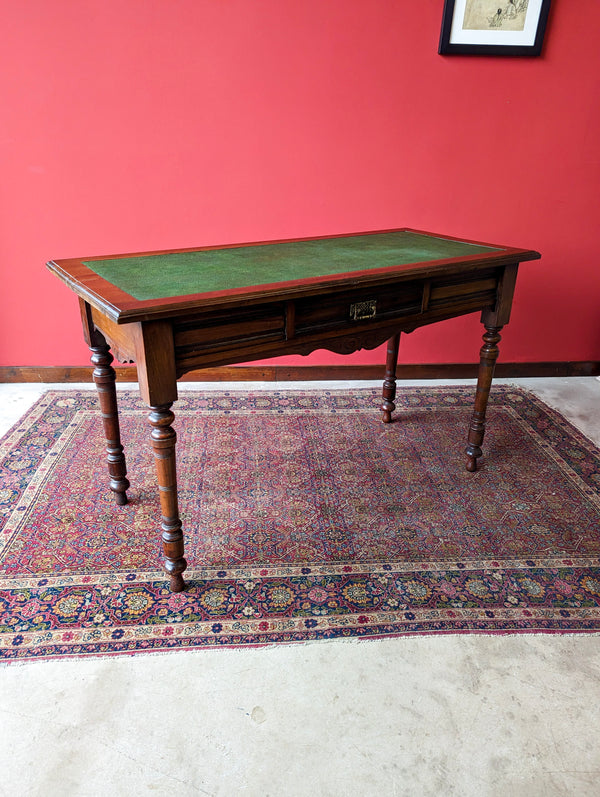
x,y
105,377
487,361
389,384
164,439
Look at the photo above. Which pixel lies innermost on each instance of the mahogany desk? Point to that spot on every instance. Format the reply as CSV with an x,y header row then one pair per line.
x,y
174,311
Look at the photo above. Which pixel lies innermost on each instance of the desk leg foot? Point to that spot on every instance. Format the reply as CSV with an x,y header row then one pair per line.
x,y
472,461
487,361
389,384
163,444
105,377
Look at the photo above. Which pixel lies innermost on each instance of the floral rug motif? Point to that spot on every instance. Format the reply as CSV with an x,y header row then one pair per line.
x,y
305,517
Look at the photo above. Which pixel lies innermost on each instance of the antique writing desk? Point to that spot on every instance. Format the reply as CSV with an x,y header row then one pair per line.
x,y
174,311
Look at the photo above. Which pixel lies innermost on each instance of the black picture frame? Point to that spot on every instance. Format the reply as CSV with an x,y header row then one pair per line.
x,y
488,41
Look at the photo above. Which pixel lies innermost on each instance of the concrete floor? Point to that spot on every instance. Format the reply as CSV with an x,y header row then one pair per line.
x,y
453,715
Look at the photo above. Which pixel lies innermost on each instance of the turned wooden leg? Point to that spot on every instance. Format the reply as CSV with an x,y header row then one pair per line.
x,y
389,384
488,356
104,377
163,444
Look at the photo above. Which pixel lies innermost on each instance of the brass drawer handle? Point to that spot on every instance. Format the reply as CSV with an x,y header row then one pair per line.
x,y
362,310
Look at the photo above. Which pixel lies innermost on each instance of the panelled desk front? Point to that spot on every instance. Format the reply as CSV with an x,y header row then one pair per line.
x,y
175,311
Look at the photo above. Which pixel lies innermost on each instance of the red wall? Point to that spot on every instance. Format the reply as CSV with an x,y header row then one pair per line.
x,y
149,124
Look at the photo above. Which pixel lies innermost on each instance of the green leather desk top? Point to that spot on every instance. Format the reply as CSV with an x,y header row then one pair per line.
x,y
147,277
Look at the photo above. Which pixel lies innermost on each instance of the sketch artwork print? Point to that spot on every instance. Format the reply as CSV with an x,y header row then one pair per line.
x,y
495,14
493,27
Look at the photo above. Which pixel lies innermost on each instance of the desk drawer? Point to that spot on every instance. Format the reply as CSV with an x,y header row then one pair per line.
x,y
464,291
220,331
358,306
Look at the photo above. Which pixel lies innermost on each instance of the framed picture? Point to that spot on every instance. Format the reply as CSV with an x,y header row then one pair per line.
x,y
493,27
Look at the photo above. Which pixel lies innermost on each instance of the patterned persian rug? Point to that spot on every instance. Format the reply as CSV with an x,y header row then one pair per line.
x,y
305,518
